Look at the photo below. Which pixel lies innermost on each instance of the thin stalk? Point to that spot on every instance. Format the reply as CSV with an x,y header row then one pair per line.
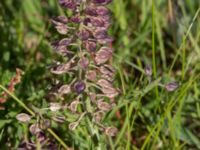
x,y
153,45
33,114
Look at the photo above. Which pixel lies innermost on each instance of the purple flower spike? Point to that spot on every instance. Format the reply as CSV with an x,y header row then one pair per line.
x,y
88,48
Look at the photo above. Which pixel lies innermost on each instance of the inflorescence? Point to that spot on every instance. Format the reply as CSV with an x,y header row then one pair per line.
x,y
87,49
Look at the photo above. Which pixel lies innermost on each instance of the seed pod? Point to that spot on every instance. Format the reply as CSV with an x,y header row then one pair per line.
x,y
73,125
104,106
55,106
64,89
79,87
34,128
98,116
91,75
103,55
23,117
111,131
171,86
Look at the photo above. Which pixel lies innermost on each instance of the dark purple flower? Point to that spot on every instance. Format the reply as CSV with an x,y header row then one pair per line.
x,y
79,87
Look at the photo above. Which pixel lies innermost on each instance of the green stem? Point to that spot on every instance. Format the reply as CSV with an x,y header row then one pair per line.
x,y
153,45
33,114
17,100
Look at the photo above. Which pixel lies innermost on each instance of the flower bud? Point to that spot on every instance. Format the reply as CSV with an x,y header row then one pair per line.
x,y
73,106
84,63
34,128
79,87
61,68
64,89
100,33
73,125
65,42
59,118
45,123
62,29
103,55
55,106
68,4
111,131
76,19
92,97
91,11
84,35
90,46
171,86
91,75
98,116
102,11
104,106
23,117
148,70
104,83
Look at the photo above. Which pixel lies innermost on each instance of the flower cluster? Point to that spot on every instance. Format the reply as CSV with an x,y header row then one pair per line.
x,y
87,51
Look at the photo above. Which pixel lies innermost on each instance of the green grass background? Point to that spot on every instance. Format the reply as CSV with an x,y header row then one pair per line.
x,y
162,33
